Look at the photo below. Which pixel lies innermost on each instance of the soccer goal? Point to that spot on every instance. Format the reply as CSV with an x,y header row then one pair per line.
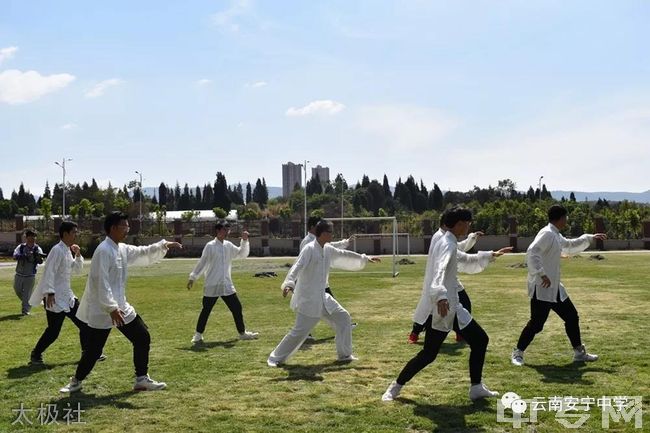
x,y
388,226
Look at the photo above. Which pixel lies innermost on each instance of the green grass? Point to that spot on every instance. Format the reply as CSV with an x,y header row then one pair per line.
x,y
225,386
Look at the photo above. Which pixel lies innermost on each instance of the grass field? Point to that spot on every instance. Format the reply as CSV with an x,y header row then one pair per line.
x,y
226,386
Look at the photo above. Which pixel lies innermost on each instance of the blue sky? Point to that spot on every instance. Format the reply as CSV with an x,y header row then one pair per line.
x,y
458,93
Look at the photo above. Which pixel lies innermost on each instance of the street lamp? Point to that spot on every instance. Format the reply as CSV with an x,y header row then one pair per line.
x,y
62,165
140,191
305,170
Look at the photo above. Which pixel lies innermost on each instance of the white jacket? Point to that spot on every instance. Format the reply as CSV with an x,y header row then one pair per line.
x,y
216,265
55,278
467,263
309,275
342,244
441,280
543,258
106,286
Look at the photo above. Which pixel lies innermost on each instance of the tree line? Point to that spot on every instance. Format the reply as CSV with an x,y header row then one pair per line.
x,y
410,201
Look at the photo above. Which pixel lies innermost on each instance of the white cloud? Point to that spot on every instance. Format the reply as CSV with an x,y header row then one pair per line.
x,y
7,53
99,88
228,19
68,126
323,106
258,84
404,127
17,87
203,82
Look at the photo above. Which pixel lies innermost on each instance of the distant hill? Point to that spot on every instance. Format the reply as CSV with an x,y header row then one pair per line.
x,y
639,197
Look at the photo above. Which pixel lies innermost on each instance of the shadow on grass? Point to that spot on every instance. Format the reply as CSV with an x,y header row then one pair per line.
x,y
207,345
27,370
11,317
86,402
447,418
308,343
450,349
568,373
314,373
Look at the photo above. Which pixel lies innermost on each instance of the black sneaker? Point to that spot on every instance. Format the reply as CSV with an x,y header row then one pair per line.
x,y
36,360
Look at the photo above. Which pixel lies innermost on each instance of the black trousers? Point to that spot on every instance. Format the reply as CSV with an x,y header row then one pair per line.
x,y
473,334
463,298
539,311
233,304
94,339
54,324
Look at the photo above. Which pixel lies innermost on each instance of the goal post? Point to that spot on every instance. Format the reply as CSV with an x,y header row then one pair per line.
x,y
392,233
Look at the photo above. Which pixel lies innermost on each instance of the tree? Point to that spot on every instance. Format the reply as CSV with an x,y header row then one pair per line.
x,y
198,201
340,185
386,186
237,194
162,194
219,213
2,197
85,208
507,188
436,199
46,210
530,194
185,200
572,197
314,186
208,196
221,197
260,193
249,194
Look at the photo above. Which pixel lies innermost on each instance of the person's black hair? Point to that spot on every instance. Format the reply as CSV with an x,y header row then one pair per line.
x,y
30,232
556,212
443,215
66,227
113,219
323,226
454,215
312,221
221,224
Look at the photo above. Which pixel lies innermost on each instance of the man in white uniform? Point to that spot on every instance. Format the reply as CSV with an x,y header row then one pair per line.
x,y
311,237
545,289
54,290
104,305
308,278
216,265
463,297
445,310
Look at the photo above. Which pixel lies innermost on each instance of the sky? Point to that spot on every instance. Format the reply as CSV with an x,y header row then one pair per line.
x,y
458,93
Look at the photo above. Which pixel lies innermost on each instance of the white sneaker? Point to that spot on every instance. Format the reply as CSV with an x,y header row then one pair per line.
x,y
479,391
392,392
580,355
348,358
310,338
145,383
517,357
73,386
198,338
273,364
248,335
354,325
